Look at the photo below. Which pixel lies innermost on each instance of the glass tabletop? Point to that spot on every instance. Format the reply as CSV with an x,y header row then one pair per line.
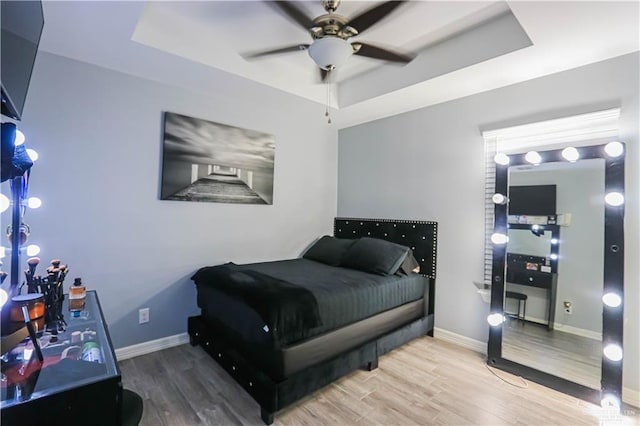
x,y
77,351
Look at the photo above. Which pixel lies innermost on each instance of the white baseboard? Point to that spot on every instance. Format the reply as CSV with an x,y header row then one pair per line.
x,y
589,334
460,340
151,346
631,397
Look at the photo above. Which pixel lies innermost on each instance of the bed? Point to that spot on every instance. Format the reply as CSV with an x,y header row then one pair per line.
x,y
285,329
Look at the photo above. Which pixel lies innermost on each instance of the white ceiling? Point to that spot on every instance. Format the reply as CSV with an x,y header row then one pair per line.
x,y
463,47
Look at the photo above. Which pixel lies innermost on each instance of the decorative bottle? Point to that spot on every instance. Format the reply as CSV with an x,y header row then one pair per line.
x,y
77,290
91,352
77,295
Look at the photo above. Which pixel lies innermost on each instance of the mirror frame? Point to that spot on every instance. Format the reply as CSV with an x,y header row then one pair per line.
x,y
612,317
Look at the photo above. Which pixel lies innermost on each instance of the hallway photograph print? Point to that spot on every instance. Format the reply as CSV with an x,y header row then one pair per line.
x,y
213,162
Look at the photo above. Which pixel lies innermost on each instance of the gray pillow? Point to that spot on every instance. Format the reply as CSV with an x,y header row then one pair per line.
x,y
375,256
409,265
329,250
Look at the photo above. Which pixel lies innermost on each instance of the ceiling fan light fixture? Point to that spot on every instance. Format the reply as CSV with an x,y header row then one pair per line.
x,y
330,52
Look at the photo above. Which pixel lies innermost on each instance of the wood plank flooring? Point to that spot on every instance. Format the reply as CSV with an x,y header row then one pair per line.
x,y
565,355
426,382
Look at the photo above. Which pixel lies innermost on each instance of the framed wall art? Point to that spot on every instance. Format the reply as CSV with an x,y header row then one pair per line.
x,y
212,162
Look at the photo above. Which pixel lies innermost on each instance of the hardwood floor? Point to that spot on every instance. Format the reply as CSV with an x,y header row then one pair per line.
x,y
565,355
427,382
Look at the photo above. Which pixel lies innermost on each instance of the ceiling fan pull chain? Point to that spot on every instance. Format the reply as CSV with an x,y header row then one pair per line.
x,y
326,113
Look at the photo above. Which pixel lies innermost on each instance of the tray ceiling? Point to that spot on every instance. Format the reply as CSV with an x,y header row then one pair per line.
x,y
463,47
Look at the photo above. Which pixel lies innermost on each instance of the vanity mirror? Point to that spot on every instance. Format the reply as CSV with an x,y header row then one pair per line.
x,y
557,274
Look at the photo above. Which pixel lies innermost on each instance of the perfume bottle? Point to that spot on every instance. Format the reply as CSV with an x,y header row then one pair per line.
x,y
77,290
77,295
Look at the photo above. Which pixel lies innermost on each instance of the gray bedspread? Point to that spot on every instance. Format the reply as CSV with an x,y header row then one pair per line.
x,y
301,298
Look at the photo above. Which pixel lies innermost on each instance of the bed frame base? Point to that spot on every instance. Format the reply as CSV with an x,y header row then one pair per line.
x,y
266,416
273,396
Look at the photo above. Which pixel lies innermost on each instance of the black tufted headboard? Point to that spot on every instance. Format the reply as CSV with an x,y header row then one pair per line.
x,y
421,236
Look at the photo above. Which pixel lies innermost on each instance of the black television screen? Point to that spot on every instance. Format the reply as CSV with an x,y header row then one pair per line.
x,y
532,200
22,23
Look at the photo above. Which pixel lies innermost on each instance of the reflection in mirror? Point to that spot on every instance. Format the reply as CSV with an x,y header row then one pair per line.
x,y
562,331
527,241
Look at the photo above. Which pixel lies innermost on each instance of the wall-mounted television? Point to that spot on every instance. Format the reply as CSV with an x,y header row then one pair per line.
x,y
22,23
532,200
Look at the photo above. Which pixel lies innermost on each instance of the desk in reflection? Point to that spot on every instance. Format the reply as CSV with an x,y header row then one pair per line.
x,y
530,271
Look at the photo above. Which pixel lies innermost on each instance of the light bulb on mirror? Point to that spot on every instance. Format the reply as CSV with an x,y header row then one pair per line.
x,y
612,300
614,149
498,238
495,319
19,138
4,203
33,249
499,199
533,157
554,241
613,352
554,256
34,202
32,154
571,154
610,401
501,158
614,199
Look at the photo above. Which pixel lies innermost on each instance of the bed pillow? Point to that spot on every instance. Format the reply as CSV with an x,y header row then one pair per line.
x,y
375,256
409,265
329,250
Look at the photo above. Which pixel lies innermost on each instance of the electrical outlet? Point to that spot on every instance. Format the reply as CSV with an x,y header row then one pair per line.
x,y
143,316
568,307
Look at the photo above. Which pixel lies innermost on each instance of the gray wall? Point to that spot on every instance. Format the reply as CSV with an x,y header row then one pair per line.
x,y
579,191
429,164
99,135
179,178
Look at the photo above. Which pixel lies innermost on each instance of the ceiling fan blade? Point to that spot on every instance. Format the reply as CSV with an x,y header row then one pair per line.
x,y
288,49
380,53
293,12
373,15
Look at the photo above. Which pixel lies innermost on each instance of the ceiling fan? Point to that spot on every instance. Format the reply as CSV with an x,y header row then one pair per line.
x,y
331,33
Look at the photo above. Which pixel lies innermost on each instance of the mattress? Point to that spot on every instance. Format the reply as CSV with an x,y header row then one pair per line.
x,y
343,296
